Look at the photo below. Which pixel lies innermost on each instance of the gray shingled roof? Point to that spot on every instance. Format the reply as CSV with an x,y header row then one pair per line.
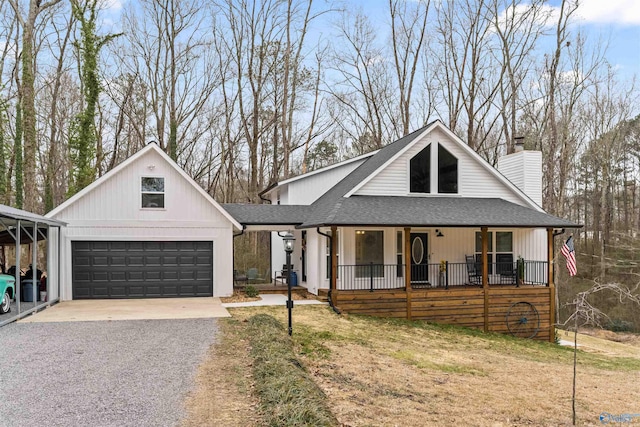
x,y
332,208
434,211
247,214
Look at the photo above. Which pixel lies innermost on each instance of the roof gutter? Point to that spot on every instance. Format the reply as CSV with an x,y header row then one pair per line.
x,y
557,233
244,227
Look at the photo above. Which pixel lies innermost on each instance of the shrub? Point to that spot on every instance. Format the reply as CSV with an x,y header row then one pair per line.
x,y
618,325
251,291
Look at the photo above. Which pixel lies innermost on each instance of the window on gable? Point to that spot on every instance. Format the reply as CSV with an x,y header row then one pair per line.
x,y
447,171
152,190
420,171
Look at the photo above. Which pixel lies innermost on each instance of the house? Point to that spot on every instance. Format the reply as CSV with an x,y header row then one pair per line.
x,y
145,229
423,228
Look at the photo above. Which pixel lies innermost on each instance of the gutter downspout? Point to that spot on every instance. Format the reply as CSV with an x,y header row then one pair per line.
x,y
233,253
328,236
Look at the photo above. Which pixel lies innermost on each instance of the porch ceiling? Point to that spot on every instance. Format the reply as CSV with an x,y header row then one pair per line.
x,y
433,212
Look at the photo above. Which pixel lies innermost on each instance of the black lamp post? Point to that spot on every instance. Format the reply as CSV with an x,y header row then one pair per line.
x,y
288,240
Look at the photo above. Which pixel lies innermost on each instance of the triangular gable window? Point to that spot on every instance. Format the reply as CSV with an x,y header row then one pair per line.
x,y
420,175
447,171
446,175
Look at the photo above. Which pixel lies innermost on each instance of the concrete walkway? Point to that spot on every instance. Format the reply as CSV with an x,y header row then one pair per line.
x,y
130,309
150,309
271,299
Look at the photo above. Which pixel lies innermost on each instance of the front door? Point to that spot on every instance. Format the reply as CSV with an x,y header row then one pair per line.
x,y
419,258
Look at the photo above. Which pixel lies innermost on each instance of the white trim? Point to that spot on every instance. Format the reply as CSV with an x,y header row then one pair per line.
x,y
492,170
388,162
149,147
321,170
464,146
163,192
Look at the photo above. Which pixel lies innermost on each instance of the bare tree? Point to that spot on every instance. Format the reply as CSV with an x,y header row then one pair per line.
x,y
467,68
408,35
518,26
363,92
165,47
585,313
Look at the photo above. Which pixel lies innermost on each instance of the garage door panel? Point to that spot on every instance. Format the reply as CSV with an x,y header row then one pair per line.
x,y
141,269
135,275
153,275
169,260
135,260
101,291
118,261
153,260
99,246
80,260
99,276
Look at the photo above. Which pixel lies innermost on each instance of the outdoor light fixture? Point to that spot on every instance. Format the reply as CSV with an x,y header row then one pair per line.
x,y
288,241
439,233
151,167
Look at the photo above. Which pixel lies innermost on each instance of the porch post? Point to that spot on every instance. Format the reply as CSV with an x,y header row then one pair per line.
x,y
334,264
552,287
485,275
407,268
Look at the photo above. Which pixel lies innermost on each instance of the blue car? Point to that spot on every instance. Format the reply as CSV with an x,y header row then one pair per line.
x,y
7,292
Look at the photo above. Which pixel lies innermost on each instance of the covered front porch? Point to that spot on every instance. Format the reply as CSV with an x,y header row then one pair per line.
x,y
468,276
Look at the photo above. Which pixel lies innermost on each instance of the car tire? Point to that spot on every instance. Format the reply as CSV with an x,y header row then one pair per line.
x,y
5,305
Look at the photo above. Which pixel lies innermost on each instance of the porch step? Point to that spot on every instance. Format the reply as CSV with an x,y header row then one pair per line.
x,y
323,295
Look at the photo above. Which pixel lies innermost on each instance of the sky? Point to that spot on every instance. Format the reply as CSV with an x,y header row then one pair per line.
x,y
615,21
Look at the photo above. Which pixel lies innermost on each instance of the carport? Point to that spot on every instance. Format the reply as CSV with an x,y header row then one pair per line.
x,y
17,228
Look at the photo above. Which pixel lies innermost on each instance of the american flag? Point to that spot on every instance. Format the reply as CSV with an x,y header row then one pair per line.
x,y
569,252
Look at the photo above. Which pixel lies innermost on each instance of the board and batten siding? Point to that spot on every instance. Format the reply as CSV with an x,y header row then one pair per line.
x,y
112,212
473,178
524,169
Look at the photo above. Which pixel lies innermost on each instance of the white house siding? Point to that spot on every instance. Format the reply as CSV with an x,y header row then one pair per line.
x,y
530,244
524,169
473,178
307,190
112,212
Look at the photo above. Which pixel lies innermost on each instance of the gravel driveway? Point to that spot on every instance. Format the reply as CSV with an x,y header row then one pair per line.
x,y
121,373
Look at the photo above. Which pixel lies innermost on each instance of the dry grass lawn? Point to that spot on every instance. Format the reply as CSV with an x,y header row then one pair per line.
x,y
223,394
378,372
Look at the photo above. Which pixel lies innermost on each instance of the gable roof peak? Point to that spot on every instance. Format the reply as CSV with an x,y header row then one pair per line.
x,y
152,146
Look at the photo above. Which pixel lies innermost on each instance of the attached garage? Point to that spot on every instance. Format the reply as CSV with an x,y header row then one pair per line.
x,y
107,269
145,230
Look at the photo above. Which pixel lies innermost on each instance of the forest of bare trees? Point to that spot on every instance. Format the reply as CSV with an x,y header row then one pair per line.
x,y
241,93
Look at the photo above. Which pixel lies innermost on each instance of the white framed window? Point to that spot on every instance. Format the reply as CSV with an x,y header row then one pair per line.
x,y
503,253
369,253
152,192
